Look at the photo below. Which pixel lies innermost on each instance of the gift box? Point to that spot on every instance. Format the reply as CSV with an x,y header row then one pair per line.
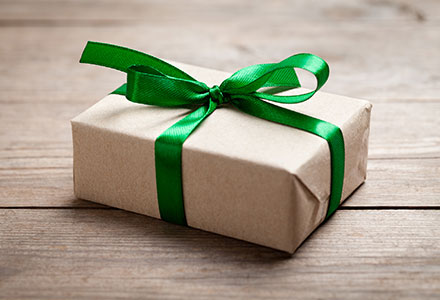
x,y
242,176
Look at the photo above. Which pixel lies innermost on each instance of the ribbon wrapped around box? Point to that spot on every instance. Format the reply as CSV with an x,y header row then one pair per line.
x,y
221,158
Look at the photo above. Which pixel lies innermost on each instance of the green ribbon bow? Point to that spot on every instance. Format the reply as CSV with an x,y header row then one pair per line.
x,y
154,82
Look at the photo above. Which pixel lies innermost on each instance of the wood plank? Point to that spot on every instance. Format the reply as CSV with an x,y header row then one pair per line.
x,y
368,68
382,50
98,12
399,183
35,106
39,187
113,254
36,155
398,130
414,183
402,129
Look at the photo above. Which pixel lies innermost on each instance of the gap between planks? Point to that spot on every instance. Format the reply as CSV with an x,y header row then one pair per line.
x,y
403,207
58,254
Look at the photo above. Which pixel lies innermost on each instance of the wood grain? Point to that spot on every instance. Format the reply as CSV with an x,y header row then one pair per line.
x,y
100,254
382,244
71,12
397,130
36,168
383,64
44,181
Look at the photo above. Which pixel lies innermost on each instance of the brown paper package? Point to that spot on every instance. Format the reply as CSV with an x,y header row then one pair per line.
x,y
243,177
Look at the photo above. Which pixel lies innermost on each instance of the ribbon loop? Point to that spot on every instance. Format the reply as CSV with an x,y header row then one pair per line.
x,y
147,85
155,82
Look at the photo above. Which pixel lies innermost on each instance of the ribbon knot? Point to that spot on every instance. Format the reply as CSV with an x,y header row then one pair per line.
x,y
216,95
152,81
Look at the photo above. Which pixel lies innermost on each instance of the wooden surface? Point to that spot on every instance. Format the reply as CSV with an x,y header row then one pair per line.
x,y
384,243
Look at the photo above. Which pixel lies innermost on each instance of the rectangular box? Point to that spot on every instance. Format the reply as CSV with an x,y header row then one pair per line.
x,y
243,177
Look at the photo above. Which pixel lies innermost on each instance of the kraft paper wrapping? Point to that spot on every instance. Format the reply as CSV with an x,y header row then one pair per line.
x,y
243,177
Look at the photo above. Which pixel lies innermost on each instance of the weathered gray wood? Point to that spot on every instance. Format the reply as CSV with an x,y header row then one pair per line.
x,y
405,129
103,254
382,50
42,180
399,183
35,155
371,61
397,129
73,12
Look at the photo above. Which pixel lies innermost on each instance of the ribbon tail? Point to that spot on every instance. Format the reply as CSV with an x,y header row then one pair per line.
x,y
121,58
168,160
331,133
122,90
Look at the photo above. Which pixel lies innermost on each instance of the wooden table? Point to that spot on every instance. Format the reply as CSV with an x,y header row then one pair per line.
x,y
384,242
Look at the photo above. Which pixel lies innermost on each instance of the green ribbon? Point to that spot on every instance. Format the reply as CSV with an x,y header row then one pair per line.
x,y
154,82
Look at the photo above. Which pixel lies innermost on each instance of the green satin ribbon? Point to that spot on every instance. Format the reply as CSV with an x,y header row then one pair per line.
x,y
154,82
